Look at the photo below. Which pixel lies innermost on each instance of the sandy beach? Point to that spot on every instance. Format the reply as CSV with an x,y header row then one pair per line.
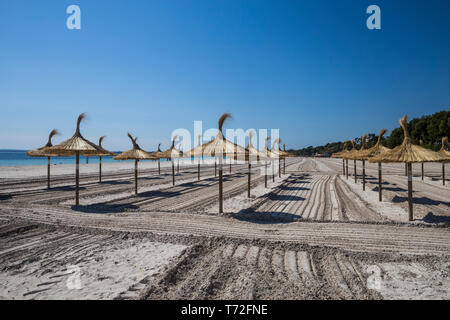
x,y
311,234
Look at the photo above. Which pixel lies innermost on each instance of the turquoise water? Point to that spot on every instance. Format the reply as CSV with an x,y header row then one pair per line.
x,y
20,158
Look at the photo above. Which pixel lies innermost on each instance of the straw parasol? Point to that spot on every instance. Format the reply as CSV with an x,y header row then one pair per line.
x,y
277,154
408,152
180,150
107,153
197,152
348,156
421,164
75,146
445,153
157,155
286,155
266,154
135,154
359,155
339,155
171,154
40,153
377,149
251,155
104,154
220,147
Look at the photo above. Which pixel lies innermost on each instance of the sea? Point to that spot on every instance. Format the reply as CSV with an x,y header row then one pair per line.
x,y
20,158
10,157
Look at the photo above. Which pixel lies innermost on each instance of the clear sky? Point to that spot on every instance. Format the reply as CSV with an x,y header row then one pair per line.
x,y
310,68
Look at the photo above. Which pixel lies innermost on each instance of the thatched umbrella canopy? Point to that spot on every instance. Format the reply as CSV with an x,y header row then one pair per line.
x,y
408,152
445,153
179,149
277,154
266,155
158,155
197,152
269,154
421,164
251,155
339,155
171,153
220,147
377,149
136,154
349,156
359,155
41,153
105,153
75,146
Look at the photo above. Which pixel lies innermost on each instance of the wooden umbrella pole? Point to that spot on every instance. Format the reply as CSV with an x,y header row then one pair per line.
x,y
77,178
249,179
410,204
354,168
406,169
215,168
343,167
87,160
279,168
273,171
379,182
159,167
346,168
220,186
364,174
422,170
284,166
100,169
198,170
48,173
136,176
443,173
265,174
173,172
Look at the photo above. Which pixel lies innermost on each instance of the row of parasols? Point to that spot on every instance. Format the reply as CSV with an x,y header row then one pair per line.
x,y
407,153
218,147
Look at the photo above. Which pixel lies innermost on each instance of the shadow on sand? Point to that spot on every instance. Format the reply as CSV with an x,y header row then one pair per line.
x,y
104,208
266,217
431,218
421,200
5,197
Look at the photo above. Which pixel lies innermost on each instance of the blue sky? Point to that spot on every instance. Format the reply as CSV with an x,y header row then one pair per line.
x,y
310,68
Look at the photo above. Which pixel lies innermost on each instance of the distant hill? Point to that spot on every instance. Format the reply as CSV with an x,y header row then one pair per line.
x,y
430,129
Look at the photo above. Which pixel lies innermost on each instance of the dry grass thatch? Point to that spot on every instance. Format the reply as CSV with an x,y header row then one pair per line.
x,y
266,153
76,144
42,151
377,149
221,147
170,153
196,151
340,154
104,153
252,154
407,151
134,154
359,154
277,153
444,150
348,155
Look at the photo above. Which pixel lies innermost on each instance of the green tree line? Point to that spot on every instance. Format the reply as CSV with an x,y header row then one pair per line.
x,y
429,129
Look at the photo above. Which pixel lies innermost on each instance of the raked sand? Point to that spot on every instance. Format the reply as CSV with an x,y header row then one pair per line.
x,y
36,171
